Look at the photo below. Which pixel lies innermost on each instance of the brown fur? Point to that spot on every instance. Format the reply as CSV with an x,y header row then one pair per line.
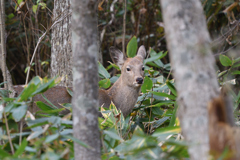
x,y
222,136
125,91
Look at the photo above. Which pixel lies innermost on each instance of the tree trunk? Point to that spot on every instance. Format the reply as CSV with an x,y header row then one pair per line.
x,y
3,53
193,66
85,78
61,54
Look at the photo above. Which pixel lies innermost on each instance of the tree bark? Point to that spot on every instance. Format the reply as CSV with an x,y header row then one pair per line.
x,y
193,65
61,54
3,52
85,78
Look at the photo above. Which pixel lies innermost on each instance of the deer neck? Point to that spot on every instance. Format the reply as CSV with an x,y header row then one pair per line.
x,y
124,96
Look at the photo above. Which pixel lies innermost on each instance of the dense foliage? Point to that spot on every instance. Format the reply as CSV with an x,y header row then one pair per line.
x,y
152,131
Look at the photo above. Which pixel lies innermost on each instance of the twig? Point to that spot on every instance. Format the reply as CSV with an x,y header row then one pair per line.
x,y
110,22
40,40
227,50
8,132
124,26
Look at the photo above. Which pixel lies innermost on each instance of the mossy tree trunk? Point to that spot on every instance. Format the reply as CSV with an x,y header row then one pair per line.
x,y
193,66
61,50
85,79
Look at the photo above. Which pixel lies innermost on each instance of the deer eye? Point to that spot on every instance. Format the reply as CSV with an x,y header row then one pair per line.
x,y
142,68
128,69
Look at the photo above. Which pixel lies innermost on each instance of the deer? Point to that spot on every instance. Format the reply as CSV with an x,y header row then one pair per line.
x,y
124,92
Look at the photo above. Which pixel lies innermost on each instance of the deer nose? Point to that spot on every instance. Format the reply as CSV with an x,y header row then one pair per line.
x,y
139,80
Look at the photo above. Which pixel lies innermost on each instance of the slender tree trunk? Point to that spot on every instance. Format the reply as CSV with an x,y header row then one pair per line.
x,y
61,54
3,53
85,78
193,65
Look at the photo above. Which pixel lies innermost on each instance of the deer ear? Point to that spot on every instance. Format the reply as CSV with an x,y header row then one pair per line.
x,y
117,56
141,52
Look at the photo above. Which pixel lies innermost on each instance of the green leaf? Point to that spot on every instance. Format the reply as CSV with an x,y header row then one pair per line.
x,y
27,92
164,95
147,85
112,135
45,86
153,58
34,8
77,141
51,138
132,47
44,106
158,62
225,61
21,148
10,16
236,65
70,92
171,87
236,60
222,73
19,112
44,97
174,116
26,69
159,122
235,72
163,133
102,71
3,153
105,83
43,5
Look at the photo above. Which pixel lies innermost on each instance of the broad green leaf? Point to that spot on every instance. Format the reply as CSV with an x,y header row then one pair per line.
x,y
171,87
132,47
43,106
159,122
45,86
8,107
112,135
147,85
27,92
153,58
164,95
51,138
19,112
105,83
102,71
163,133
225,61
21,148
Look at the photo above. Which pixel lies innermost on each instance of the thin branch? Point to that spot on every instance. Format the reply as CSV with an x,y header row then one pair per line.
x,y
124,26
40,40
110,22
